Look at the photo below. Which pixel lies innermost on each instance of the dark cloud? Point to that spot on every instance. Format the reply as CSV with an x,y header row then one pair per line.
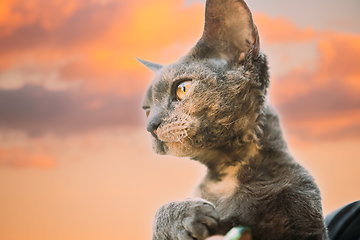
x,y
37,111
331,100
332,112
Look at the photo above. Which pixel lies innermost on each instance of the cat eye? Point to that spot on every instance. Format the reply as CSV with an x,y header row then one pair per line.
x,y
147,112
182,89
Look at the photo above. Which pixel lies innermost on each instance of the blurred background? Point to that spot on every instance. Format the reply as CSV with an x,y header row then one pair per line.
x,y
75,159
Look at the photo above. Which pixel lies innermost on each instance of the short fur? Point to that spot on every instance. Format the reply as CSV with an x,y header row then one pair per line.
x,y
225,123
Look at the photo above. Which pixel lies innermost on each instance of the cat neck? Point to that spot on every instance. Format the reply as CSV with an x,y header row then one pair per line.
x,y
271,139
218,161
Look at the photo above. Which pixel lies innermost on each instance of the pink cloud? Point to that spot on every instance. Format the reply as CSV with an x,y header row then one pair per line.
x,y
280,30
325,102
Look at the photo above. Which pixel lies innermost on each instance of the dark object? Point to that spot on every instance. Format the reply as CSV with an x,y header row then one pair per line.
x,y
344,223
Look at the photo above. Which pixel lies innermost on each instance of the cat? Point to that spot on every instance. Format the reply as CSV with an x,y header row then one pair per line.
x,y
211,106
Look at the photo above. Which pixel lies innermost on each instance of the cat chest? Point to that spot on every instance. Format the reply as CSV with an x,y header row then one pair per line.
x,y
215,189
222,189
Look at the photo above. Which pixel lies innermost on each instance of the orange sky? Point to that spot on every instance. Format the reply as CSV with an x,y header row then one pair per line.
x,y
75,159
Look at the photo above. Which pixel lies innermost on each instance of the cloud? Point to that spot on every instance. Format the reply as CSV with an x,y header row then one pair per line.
x,y
18,17
279,30
38,111
69,66
95,42
323,103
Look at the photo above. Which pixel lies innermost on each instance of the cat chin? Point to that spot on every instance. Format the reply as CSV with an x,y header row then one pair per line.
x,y
159,147
176,149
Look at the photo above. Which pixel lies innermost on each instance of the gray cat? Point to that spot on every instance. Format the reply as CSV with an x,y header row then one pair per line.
x,y
210,106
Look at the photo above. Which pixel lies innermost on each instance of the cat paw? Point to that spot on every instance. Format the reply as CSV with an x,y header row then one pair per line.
x,y
201,221
186,220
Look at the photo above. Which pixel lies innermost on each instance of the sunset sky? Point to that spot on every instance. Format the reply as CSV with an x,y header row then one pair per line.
x,y
75,158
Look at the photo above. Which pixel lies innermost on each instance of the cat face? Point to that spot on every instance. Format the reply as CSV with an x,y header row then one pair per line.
x,y
212,97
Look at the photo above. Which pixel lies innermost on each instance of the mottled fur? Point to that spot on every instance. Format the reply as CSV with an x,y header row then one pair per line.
x,y
225,123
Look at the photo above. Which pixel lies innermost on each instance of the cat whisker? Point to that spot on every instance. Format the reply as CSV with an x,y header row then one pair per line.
x,y
186,135
181,137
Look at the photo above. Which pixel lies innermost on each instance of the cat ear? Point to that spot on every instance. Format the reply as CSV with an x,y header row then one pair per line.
x,y
229,31
152,66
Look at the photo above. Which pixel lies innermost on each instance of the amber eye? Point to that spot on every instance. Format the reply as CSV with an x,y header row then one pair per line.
x,y
182,89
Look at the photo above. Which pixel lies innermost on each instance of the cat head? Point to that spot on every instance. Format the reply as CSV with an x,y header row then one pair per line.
x,y
211,98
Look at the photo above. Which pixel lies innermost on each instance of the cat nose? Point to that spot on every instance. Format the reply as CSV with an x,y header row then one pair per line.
x,y
154,120
152,127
